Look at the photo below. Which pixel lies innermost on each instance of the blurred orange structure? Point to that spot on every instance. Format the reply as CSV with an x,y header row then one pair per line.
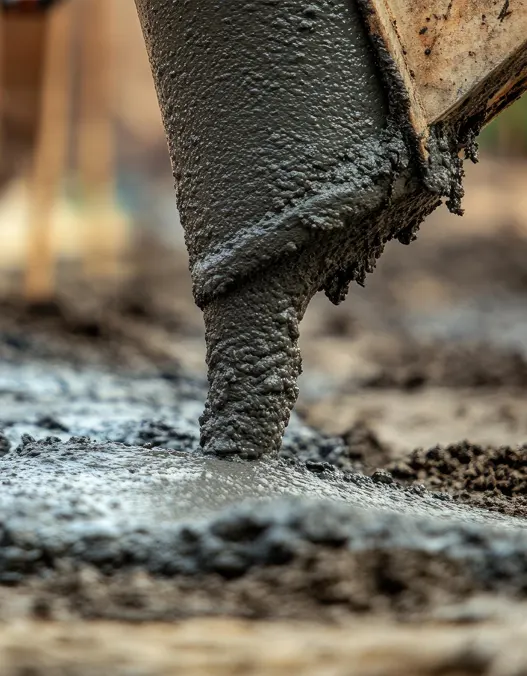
x,y
77,67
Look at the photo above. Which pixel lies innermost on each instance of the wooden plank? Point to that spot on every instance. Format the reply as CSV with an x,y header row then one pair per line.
x,y
96,155
50,152
2,39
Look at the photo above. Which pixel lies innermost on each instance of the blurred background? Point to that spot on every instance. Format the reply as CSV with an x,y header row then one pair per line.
x,y
90,232
84,166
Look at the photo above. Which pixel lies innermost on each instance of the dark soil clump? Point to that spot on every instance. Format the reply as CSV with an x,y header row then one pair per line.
x,y
358,450
491,477
318,584
366,448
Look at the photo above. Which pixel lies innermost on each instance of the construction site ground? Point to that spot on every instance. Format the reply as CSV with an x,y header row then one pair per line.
x,y
389,537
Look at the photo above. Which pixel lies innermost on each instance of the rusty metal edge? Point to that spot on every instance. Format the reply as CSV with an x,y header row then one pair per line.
x,y
499,89
502,87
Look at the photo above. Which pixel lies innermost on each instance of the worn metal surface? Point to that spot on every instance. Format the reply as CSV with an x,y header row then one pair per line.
x,y
445,51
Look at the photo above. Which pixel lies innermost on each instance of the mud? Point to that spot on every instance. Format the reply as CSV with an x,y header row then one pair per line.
x,y
330,584
59,501
415,365
235,646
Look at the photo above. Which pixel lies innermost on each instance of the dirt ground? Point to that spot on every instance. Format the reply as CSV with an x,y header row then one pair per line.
x,y
395,541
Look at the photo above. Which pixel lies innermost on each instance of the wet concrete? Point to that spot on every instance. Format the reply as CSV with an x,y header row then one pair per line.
x,y
111,509
105,469
286,168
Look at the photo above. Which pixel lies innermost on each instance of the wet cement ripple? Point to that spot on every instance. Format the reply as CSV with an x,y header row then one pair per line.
x,y
105,469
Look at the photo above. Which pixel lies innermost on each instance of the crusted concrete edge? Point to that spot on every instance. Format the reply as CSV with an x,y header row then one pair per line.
x,y
381,25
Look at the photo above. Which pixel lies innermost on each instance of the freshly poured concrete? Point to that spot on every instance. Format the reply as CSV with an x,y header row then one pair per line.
x,y
141,492
292,169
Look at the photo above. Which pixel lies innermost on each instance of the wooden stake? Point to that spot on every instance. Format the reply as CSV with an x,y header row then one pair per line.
x,y
96,151
50,153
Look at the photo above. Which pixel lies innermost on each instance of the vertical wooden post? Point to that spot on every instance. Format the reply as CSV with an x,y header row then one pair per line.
x,y
50,153
96,151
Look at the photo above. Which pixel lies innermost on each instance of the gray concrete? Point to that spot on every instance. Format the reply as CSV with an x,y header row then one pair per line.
x,y
141,492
